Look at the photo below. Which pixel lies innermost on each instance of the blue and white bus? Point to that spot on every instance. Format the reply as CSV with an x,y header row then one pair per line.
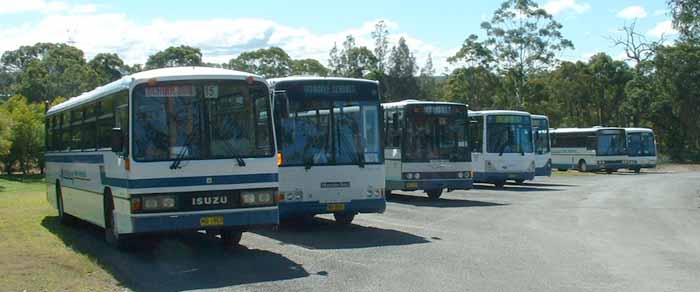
x,y
502,146
589,149
166,150
641,148
543,153
426,147
330,152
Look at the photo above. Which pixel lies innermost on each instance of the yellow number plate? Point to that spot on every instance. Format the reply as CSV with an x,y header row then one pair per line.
x,y
335,207
411,185
211,221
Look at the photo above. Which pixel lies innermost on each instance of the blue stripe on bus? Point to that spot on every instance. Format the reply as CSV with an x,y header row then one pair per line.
x,y
92,158
189,181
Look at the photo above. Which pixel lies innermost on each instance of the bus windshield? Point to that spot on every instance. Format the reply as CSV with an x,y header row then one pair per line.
x,y
641,144
610,143
436,132
541,131
208,119
509,134
338,130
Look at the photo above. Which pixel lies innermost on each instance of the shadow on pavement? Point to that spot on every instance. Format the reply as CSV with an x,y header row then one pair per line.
x,y
175,263
424,201
321,233
516,188
536,184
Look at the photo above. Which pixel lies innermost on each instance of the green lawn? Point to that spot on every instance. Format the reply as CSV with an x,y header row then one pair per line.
x,y
36,250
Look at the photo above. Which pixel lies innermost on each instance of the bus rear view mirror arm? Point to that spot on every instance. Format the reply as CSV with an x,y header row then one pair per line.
x,y
117,140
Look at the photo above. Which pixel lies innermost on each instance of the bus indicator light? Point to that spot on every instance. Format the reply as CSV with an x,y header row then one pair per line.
x,y
279,158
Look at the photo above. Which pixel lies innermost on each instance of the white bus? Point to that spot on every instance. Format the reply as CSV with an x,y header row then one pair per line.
x,y
166,150
426,147
641,148
543,147
502,146
589,149
330,152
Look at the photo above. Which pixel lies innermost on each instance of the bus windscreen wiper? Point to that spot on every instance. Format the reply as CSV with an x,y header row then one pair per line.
x,y
234,155
183,151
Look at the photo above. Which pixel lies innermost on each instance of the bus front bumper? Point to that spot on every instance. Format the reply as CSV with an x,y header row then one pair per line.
x,y
433,184
543,171
292,209
491,177
226,219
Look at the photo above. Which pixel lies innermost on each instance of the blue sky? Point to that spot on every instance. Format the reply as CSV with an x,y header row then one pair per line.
x,y
223,29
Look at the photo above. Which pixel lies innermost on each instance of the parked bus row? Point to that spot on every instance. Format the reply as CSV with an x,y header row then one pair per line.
x,y
192,148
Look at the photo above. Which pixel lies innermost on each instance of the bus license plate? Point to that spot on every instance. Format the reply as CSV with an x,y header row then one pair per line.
x,y
211,221
335,207
411,185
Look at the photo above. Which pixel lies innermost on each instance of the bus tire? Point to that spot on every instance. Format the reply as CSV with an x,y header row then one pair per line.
x,y
231,238
582,166
500,184
344,218
112,237
637,170
63,218
562,169
387,193
519,181
434,194
610,171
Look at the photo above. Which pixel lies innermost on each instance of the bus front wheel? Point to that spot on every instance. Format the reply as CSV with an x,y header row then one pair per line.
x,y
500,184
343,218
519,181
582,166
231,238
637,170
434,194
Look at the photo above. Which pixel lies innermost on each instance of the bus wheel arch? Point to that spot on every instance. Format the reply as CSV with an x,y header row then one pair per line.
x,y
112,236
62,216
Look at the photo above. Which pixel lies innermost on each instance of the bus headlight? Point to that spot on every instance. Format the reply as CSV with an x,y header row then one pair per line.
x,y
409,175
460,174
256,198
416,175
153,203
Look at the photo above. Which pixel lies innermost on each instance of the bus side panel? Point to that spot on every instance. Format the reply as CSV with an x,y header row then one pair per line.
x,y
392,160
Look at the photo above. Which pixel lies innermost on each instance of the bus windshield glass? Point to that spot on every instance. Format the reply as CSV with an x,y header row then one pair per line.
x,y
436,132
611,142
541,131
203,119
641,144
509,134
328,123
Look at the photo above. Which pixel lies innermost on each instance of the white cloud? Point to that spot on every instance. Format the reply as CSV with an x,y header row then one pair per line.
x,y
555,7
12,7
664,28
659,12
632,12
219,39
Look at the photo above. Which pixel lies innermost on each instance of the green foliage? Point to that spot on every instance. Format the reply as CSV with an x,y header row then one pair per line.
x,y
175,57
352,61
109,67
5,132
678,80
26,136
401,82
308,67
270,63
686,18
474,86
522,39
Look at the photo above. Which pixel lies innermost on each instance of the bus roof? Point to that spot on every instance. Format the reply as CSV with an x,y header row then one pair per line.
x,y
164,74
415,101
639,130
582,130
498,112
541,117
274,81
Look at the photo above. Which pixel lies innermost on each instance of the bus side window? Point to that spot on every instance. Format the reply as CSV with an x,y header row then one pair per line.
x,y
591,143
476,134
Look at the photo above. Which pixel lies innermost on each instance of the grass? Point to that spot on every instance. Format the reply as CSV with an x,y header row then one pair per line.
x,y
33,249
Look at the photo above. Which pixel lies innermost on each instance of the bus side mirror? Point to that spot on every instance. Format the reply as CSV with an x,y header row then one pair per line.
x,y
117,140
